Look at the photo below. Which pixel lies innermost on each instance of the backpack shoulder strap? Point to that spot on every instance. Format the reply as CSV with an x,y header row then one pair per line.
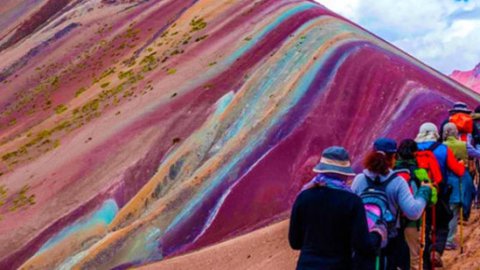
x,y
402,170
371,183
389,179
434,146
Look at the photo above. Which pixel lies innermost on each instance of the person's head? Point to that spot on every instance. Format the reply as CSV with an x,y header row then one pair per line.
x,y
382,158
407,149
477,109
428,132
459,107
450,130
335,162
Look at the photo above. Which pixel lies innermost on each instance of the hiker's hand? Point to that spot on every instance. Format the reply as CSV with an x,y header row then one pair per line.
x,y
427,184
425,192
382,231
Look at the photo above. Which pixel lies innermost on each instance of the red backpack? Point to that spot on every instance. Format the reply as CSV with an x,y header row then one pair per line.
x,y
427,160
464,123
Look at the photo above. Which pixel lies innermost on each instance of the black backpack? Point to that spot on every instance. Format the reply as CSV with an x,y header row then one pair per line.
x,y
375,200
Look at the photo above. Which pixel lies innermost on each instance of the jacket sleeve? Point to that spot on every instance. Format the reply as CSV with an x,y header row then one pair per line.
x,y
296,229
435,171
453,164
412,207
356,184
363,241
472,151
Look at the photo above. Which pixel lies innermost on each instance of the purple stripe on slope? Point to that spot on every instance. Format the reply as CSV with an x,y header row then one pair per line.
x,y
271,192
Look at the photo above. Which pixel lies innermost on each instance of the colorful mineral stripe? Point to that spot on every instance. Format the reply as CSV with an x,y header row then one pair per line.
x,y
132,131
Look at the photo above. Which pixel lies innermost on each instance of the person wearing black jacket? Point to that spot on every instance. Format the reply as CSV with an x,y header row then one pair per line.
x,y
328,221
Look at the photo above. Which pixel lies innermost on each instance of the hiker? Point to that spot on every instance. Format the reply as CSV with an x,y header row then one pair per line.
x,y
476,169
378,172
468,132
427,140
407,167
461,186
328,220
461,116
476,123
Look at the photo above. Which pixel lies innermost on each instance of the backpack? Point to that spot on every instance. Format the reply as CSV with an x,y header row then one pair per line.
x,y
375,201
407,172
426,160
464,123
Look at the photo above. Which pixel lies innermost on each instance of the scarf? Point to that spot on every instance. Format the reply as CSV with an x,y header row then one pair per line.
x,y
322,180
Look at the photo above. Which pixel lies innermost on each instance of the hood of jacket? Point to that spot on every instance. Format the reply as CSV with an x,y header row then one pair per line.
x,y
373,175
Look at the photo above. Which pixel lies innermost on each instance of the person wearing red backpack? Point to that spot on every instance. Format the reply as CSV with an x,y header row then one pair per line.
x,y
438,216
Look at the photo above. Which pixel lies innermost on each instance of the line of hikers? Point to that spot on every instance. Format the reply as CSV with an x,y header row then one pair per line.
x,y
402,211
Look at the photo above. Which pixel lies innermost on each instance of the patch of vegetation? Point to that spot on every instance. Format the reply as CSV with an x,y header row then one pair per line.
x,y
12,122
22,198
3,195
80,91
197,24
149,62
208,86
54,81
125,74
60,109
201,38
105,85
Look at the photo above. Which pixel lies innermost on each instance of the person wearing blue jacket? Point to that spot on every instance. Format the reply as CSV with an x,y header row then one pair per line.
x,y
328,223
459,197
427,138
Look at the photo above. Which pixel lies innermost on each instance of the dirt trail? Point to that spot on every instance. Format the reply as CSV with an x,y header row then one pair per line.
x,y
268,248
470,259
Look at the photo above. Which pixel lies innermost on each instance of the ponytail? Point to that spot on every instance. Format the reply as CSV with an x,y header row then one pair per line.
x,y
379,162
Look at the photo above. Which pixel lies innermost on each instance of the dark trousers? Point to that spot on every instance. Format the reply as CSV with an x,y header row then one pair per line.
x,y
443,215
394,256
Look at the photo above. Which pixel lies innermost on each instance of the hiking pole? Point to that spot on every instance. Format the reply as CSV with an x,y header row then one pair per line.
x,y
422,238
461,229
434,238
461,217
477,184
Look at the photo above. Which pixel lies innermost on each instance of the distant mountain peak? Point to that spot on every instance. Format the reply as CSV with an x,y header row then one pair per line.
x,y
470,79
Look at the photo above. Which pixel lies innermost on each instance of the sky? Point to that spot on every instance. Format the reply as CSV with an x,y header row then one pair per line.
x,y
444,34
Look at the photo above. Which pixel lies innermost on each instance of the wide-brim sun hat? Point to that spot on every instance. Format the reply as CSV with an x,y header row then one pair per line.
x,y
428,127
427,132
460,107
335,159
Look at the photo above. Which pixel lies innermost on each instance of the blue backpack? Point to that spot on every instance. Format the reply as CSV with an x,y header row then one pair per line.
x,y
375,200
